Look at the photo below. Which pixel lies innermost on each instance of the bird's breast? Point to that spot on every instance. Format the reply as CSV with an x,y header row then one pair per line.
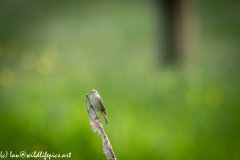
x,y
95,103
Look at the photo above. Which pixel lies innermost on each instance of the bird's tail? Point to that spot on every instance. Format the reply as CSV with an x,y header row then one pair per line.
x,y
105,117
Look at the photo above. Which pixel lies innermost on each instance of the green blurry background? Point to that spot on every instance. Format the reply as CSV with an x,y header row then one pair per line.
x,y
52,53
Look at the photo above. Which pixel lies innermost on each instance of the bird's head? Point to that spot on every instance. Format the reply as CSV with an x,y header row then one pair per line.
x,y
93,91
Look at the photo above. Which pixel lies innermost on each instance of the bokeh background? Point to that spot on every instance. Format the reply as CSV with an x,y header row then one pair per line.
x,y
52,53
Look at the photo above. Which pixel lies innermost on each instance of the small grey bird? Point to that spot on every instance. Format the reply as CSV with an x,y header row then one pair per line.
x,y
97,103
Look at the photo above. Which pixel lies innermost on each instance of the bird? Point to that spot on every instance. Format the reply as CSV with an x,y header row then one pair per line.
x,y
97,102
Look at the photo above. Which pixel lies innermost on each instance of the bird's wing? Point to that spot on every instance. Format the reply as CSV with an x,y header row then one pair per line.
x,y
101,103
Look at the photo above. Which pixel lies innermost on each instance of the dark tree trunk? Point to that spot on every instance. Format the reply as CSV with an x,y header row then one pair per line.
x,y
177,29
